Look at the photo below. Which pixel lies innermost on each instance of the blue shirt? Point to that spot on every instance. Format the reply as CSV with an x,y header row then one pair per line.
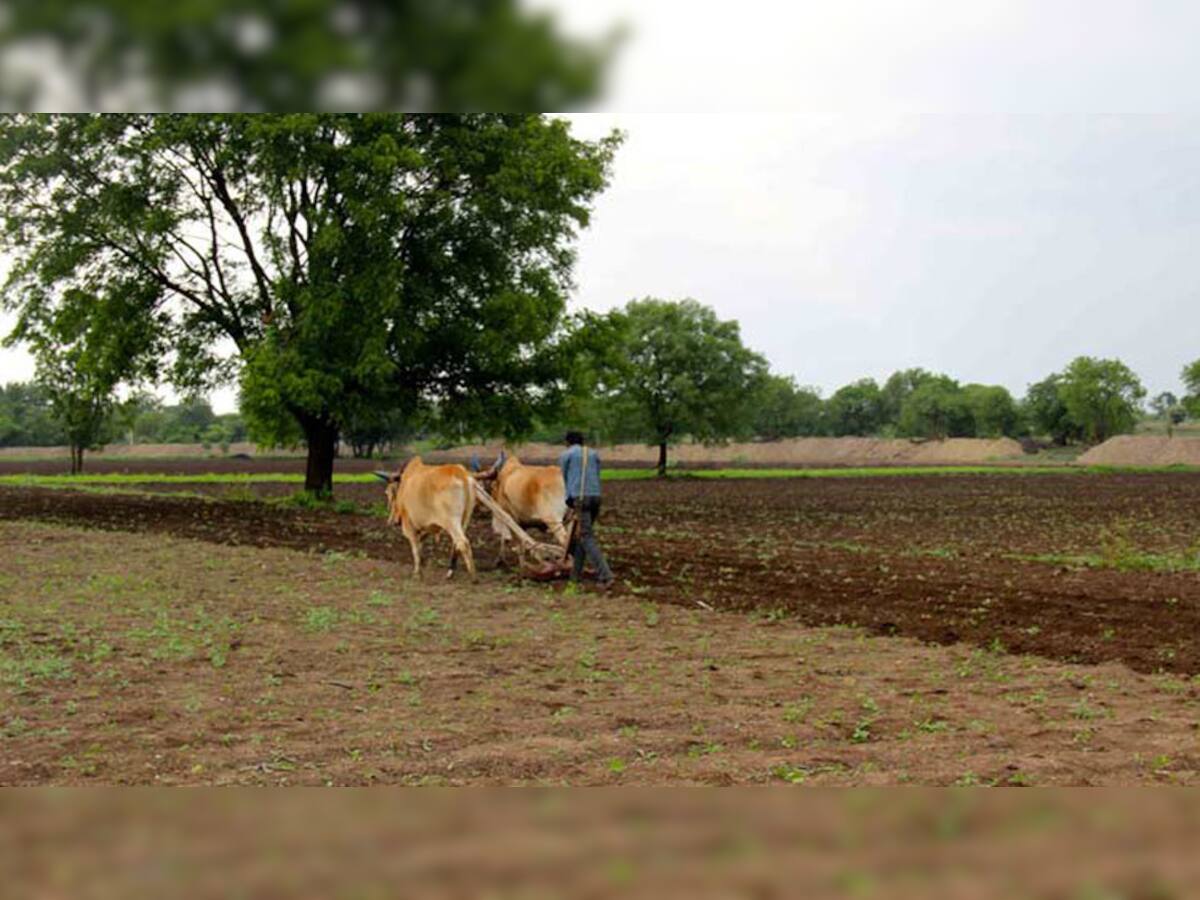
x,y
571,462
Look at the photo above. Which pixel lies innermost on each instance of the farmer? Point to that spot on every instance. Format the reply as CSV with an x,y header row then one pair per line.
x,y
581,475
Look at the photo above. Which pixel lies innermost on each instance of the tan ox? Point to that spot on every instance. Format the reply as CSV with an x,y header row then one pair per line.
x,y
423,498
533,495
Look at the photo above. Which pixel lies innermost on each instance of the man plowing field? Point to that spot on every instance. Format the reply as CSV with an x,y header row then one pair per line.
x,y
580,466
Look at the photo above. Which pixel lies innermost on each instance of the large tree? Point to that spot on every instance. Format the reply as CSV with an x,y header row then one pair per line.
x,y
333,261
1102,396
680,372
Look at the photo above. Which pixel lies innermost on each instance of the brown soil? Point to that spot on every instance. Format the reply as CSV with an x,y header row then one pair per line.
x,y
146,659
942,559
1136,450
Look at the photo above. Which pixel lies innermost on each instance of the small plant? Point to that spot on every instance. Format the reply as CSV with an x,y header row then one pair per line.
x,y
616,766
426,617
789,774
1083,711
320,619
797,712
862,731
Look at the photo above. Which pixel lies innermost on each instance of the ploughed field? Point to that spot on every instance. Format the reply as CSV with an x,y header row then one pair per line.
x,y
1010,629
1082,568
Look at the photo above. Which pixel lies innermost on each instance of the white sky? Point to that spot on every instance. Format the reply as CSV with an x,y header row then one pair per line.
x,y
972,187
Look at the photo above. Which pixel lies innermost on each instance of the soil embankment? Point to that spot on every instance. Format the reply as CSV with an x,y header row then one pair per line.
x,y
797,453
1144,450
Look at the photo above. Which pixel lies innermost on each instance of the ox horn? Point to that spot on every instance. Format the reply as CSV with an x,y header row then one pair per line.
x,y
382,476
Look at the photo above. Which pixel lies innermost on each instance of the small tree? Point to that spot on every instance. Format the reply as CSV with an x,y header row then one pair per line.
x,y
1102,396
682,372
83,402
85,345
855,409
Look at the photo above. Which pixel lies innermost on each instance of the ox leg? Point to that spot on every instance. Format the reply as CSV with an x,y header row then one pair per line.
x,y
414,541
453,559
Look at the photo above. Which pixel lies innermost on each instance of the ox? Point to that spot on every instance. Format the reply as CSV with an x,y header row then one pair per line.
x,y
422,498
532,495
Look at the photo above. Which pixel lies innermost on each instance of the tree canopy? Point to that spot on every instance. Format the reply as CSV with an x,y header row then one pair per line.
x,y
784,409
84,346
855,409
1102,396
936,408
1091,400
678,371
332,262
320,54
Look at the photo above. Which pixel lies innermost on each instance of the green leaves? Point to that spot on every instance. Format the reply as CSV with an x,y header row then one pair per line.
x,y
1092,399
451,55
1191,379
339,263
668,370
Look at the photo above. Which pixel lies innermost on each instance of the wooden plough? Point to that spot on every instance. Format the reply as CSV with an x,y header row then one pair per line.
x,y
549,554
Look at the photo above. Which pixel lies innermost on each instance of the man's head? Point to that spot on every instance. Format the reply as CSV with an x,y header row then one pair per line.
x,y
574,438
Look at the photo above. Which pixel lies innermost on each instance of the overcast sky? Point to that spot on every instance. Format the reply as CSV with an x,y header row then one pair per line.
x,y
987,189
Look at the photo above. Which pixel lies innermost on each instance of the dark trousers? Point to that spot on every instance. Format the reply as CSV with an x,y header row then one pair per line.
x,y
587,548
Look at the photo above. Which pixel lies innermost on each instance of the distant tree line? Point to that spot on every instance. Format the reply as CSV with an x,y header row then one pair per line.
x,y
368,279
662,372
29,418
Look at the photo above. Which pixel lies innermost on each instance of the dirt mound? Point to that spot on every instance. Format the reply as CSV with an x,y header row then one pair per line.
x,y
847,451
1134,450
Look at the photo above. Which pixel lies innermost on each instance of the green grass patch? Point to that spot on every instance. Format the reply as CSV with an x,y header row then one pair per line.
x,y
1126,562
246,479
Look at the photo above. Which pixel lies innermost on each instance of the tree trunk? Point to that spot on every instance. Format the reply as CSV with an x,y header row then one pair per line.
x,y
662,460
76,459
322,440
